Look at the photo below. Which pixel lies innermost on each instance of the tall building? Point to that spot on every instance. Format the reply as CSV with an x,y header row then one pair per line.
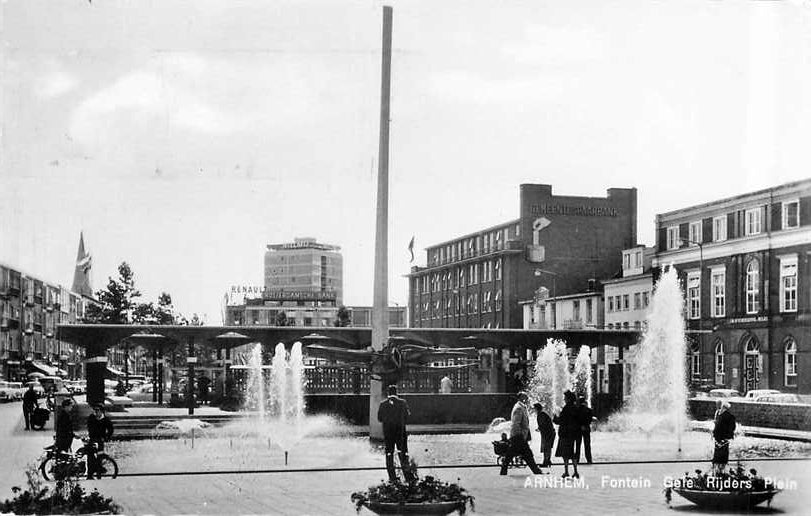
x,y
30,310
558,243
746,266
304,266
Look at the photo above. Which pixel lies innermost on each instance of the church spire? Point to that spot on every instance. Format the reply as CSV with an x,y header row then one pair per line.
x,y
81,276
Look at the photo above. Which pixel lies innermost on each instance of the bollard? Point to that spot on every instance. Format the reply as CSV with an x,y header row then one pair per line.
x,y
285,457
192,438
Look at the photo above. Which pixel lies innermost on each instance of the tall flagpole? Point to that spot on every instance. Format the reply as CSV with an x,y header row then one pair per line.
x,y
380,322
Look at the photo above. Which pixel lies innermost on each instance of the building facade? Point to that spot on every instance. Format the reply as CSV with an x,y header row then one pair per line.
x,y
558,242
304,265
746,266
30,310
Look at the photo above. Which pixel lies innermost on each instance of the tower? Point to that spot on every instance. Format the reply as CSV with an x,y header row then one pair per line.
x,y
81,275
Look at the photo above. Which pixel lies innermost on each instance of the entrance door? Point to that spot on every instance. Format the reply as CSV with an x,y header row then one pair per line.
x,y
751,373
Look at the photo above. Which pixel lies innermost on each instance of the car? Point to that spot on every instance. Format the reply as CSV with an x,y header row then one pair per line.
x,y
18,389
724,393
756,393
780,397
7,393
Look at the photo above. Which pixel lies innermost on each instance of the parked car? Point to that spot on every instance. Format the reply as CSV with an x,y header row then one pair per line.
x,y
780,397
7,393
724,393
18,389
76,386
756,393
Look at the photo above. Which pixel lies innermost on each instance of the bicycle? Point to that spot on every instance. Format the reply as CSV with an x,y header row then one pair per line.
x,y
59,465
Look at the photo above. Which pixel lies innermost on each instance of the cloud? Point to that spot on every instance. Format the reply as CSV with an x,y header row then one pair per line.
x,y
55,84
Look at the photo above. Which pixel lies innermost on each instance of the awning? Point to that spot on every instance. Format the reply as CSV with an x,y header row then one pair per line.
x,y
114,374
44,368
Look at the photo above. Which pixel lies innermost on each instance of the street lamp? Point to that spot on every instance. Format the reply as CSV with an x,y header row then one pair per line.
x,y
700,282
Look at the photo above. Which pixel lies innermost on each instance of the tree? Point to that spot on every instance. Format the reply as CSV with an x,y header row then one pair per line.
x,y
344,318
117,301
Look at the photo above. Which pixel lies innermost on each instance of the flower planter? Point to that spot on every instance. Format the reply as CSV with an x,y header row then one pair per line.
x,y
427,508
731,500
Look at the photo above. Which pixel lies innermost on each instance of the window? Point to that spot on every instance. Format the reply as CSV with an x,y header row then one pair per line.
x,y
673,237
626,301
695,361
637,301
610,303
791,214
752,221
753,287
645,299
576,310
719,228
588,311
638,256
693,296
618,303
718,292
719,363
788,284
694,234
791,362
626,262
498,269
498,300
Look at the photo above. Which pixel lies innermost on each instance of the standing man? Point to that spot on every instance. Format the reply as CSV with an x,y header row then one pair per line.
x,y
586,417
722,433
99,430
29,404
520,436
393,413
547,430
64,427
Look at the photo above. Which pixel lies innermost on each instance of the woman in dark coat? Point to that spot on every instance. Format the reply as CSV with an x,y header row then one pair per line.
x,y
568,433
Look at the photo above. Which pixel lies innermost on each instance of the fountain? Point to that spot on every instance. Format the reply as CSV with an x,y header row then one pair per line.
x,y
550,378
581,383
659,391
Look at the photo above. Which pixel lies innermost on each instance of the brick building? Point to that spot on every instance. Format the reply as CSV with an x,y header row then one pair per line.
x,y
746,264
558,243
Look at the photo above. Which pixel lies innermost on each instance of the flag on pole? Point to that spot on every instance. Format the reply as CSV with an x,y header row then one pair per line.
x,y
411,249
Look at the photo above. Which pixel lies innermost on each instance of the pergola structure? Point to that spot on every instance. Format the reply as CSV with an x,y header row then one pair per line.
x,y
98,338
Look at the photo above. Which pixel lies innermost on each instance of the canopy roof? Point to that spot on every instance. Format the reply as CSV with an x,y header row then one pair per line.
x,y
108,335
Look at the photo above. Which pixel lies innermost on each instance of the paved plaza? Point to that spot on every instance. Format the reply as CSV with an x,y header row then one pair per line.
x,y
606,488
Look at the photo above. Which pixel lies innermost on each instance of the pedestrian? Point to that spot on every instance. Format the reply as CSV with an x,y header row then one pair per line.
x,y
64,427
547,431
120,389
29,404
568,433
204,384
722,433
99,430
393,413
586,417
520,436
446,385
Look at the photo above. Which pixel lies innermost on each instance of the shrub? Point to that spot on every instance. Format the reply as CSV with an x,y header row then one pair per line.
x,y
67,497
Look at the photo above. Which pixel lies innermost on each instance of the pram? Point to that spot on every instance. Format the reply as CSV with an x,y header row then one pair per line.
x,y
39,416
502,449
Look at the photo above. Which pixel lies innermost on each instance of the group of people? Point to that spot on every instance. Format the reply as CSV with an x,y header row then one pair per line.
x,y
574,433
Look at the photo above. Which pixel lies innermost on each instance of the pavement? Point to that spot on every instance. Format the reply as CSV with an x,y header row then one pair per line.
x,y
606,489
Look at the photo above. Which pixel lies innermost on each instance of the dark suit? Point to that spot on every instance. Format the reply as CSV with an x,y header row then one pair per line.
x,y
29,404
393,413
584,441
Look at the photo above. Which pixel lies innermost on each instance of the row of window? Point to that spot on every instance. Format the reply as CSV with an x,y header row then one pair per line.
x,y
638,325
486,271
622,303
753,225
788,288
460,305
789,361
469,247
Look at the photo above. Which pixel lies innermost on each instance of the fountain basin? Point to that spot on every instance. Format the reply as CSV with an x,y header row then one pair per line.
x,y
428,508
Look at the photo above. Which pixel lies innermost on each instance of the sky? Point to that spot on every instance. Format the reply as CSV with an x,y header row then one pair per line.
x,y
183,137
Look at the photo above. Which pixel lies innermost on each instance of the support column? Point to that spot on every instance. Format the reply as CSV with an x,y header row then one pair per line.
x,y
190,361
380,316
154,375
161,377
95,370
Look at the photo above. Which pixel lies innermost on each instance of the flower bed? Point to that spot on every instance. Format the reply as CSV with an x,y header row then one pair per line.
x,y
735,488
425,496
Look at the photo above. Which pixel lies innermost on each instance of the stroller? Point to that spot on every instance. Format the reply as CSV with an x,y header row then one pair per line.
x,y
39,417
502,449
